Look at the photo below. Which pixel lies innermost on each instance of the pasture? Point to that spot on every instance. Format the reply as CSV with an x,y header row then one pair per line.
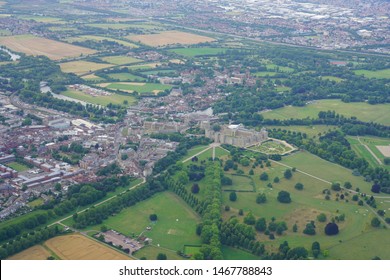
x,y
150,253
311,131
36,252
278,68
81,67
93,77
100,100
170,38
138,87
78,247
363,111
120,59
193,52
378,74
32,45
43,19
126,77
264,74
332,78
230,253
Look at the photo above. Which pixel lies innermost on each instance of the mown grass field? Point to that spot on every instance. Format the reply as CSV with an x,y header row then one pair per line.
x,y
192,52
139,87
81,67
379,74
32,45
265,74
93,77
36,202
279,68
18,166
363,111
120,59
240,183
174,228
100,100
230,253
126,77
151,252
78,247
170,38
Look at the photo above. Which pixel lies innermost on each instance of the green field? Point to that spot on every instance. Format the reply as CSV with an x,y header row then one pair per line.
x,y
279,68
230,253
174,228
18,166
36,202
43,19
126,77
326,170
192,52
115,26
100,100
120,60
310,131
283,89
5,32
265,74
379,74
333,78
100,38
155,72
272,148
363,111
240,183
150,253
139,87
372,143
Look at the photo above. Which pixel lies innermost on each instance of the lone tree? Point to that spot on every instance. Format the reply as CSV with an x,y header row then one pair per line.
x,y
316,249
233,196
321,218
347,185
264,176
276,179
287,174
153,217
284,197
376,188
195,188
375,222
261,224
336,187
331,229
161,256
261,198
299,186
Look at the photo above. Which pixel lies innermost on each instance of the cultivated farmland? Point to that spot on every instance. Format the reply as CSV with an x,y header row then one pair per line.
x,y
78,247
32,45
81,67
170,38
36,252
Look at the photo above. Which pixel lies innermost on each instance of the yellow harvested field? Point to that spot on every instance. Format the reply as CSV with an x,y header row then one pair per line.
x,y
81,67
36,252
169,38
78,247
33,45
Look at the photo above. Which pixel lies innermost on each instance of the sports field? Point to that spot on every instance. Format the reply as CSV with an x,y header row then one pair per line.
x,y
120,59
36,252
174,228
379,74
192,52
363,111
18,166
81,67
170,38
78,247
138,87
33,45
100,100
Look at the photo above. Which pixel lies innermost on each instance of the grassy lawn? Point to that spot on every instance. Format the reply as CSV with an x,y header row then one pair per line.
x,y
379,74
363,111
81,67
193,151
156,72
100,38
100,100
192,52
326,170
93,77
310,131
126,77
283,89
240,183
120,59
230,253
18,166
151,252
139,87
175,226
36,202
275,67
